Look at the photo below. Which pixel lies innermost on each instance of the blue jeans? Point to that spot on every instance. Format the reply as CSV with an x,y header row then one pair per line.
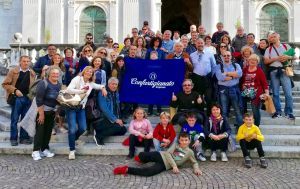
x,y
256,113
285,82
226,96
75,117
157,146
20,108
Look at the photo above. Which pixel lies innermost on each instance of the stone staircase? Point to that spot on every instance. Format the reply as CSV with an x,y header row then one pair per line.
x,y
282,136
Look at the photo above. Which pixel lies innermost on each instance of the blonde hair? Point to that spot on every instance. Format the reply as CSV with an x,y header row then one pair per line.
x,y
254,57
86,69
245,48
165,114
137,109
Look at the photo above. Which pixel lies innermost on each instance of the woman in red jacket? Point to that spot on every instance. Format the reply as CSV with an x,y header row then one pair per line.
x,y
254,86
164,134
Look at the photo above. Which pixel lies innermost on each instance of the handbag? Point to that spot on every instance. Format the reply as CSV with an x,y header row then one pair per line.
x,y
289,71
70,101
249,93
11,99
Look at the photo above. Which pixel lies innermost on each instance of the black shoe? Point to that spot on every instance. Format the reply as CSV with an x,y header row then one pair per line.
x,y
263,162
248,162
276,115
290,117
14,143
26,141
98,141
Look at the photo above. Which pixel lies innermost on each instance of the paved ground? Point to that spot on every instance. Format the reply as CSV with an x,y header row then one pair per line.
x,y
96,172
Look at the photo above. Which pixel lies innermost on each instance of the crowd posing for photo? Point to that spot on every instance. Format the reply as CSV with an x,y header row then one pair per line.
x,y
221,72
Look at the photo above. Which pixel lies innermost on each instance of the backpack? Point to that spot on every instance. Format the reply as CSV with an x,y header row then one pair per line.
x,y
32,90
222,67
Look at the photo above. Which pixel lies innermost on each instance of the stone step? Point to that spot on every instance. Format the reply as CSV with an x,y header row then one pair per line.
x,y
119,149
276,130
270,140
295,99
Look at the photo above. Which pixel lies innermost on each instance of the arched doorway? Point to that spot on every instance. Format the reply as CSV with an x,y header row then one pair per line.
x,y
92,20
274,17
180,14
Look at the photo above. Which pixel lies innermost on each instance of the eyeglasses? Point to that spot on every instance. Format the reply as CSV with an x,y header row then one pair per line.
x,y
227,55
110,42
102,52
89,38
116,47
187,85
88,51
223,46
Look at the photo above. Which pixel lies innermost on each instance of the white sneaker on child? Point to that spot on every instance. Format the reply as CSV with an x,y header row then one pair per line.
x,y
72,155
36,155
224,157
213,156
201,157
47,153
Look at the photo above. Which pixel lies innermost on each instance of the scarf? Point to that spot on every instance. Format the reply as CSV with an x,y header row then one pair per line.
x,y
215,121
70,61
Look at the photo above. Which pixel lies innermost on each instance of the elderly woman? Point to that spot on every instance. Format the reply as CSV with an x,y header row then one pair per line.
x,y
246,52
141,50
179,54
217,131
46,94
83,83
185,42
254,86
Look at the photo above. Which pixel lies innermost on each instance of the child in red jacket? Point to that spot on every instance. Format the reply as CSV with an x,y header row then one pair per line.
x,y
164,134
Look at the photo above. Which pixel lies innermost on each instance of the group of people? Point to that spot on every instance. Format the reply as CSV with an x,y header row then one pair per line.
x,y
220,73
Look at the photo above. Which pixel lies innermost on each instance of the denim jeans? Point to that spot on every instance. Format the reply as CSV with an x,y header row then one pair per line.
x,y
20,108
75,117
157,146
285,82
235,100
256,113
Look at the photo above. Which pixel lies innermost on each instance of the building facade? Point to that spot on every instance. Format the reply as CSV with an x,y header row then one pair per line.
x,y
67,21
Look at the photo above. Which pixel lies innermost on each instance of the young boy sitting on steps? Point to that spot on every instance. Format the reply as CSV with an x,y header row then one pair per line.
x,y
250,137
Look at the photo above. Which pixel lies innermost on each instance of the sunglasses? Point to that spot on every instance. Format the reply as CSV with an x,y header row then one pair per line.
x,y
89,38
88,51
103,53
110,42
222,46
144,29
116,47
227,55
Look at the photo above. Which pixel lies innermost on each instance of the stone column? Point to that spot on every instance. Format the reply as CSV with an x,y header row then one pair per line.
x,y
54,21
31,19
129,17
112,23
210,15
70,22
232,14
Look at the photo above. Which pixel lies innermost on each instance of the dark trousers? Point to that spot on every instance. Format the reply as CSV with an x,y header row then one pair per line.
x,y
154,169
43,132
105,128
203,85
150,109
218,144
134,141
246,146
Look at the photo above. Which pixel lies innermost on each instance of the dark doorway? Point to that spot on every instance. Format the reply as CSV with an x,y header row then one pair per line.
x,y
180,14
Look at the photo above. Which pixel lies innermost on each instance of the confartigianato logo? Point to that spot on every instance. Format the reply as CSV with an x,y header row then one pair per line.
x,y
153,83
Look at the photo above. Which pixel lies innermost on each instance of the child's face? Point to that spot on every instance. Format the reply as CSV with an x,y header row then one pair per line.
x,y
191,121
184,142
249,121
215,111
164,120
139,114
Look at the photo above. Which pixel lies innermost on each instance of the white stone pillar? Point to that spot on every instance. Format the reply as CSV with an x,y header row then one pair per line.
x,y
113,21
210,15
129,17
54,21
31,19
70,22
232,14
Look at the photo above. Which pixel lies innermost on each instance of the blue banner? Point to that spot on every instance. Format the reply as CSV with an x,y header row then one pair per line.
x,y
151,81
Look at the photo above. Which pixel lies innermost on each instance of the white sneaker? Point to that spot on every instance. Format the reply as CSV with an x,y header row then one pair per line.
x,y
62,130
47,153
213,156
224,156
72,155
201,157
36,155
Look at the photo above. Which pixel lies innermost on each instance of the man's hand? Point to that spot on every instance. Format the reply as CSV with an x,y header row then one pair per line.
x,y
104,91
199,100
196,144
174,98
41,118
18,93
283,58
175,170
120,122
